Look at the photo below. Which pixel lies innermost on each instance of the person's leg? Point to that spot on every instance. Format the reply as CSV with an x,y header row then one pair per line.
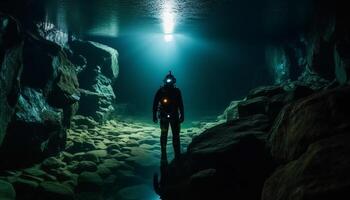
x,y
175,129
164,127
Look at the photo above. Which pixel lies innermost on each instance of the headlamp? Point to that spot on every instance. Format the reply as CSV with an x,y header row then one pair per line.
x,y
168,80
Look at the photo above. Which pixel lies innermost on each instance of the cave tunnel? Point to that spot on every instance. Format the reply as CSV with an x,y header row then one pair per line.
x,y
174,99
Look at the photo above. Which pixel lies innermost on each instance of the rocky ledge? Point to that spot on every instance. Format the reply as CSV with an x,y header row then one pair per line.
x,y
278,143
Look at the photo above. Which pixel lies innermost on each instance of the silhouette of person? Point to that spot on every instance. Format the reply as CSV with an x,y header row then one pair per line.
x,y
168,108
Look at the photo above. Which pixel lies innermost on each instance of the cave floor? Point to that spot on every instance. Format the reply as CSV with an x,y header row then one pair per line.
x,y
113,160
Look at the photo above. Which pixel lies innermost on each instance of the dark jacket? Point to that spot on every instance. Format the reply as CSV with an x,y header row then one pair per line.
x,y
168,101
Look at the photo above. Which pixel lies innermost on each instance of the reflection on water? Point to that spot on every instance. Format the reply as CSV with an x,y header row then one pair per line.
x,y
112,18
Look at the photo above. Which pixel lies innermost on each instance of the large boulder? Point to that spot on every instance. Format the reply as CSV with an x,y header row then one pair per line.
x,y
35,131
99,68
222,161
39,95
7,192
98,54
268,100
301,123
58,78
10,70
322,173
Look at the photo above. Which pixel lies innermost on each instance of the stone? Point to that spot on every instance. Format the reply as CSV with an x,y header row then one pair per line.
x,y
321,172
52,163
89,181
258,105
82,120
98,153
265,91
7,192
103,170
11,65
86,166
53,190
79,145
111,163
38,125
34,172
96,78
25,189
98,54
318,116
231,112
225,154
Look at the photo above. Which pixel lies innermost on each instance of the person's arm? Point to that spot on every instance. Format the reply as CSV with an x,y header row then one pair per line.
x,y
181,107
155,105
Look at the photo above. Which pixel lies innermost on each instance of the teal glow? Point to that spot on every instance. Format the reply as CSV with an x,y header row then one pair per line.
x,y
168,37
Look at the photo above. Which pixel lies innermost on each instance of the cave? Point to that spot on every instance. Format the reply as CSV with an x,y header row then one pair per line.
x,y
174,100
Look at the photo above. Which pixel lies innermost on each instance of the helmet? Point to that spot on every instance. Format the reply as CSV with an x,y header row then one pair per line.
x,y
169,79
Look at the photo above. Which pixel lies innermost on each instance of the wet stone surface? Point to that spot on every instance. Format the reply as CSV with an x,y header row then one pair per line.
x,y
105,161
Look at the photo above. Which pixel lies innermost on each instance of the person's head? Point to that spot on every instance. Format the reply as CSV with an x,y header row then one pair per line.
x,y
169,80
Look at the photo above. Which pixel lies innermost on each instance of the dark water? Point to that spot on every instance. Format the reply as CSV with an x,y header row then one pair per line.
x,y
216,49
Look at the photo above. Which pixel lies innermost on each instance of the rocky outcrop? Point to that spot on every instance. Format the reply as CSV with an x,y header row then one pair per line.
x,y
98,69
39,95
222,162
319,50
233,158
10,70
310,139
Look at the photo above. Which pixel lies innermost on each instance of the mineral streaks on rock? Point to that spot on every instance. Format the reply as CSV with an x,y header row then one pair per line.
x,y
96,77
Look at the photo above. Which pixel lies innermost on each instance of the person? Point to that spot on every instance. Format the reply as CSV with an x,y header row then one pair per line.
x,y
168,108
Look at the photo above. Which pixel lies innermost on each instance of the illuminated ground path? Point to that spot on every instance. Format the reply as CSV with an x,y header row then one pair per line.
x,y
128,155
114,160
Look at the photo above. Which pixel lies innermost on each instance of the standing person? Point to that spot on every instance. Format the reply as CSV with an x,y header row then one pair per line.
x,y
168,108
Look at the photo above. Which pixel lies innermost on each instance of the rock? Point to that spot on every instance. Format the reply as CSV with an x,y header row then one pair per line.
x,y
81,120
98,105
103,170
113,147
231,112
64,175
258,105
25,189
321,115
265,91
79,145
86,166
34,172
66,156
96,78
234,150
87,157
98,54
7,192
11,65
39,127
89,181
322,172
111,163
52,163
53,190
98,153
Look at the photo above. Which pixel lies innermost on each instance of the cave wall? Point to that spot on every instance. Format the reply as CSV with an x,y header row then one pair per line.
x,y
321,48
44,82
